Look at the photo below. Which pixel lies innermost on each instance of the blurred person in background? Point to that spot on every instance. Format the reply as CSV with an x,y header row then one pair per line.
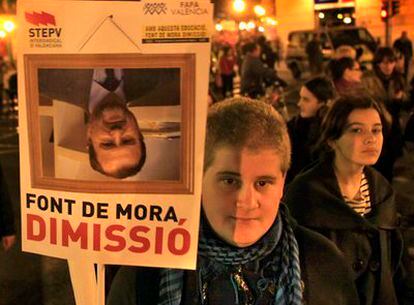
x,y
346,75
349,202
387,86
227,62
304,128
254,74
404,46
267,55
315,55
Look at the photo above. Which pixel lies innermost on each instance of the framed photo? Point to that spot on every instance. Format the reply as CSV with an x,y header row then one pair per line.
x,y
119,123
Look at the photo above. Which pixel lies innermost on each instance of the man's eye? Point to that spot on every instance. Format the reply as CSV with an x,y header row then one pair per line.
x,y
229,181
107,145
128,141
263,183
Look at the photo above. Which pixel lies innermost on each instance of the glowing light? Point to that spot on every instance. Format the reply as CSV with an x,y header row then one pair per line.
x,y
271,21
9,26
347,20
239,6
384,14
242,26
2,34
251,25
261,29
340,16
219,27
321,15
259,10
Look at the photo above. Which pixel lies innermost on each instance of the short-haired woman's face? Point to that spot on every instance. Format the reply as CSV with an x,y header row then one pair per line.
x,y
387,66
353,74
308,103
361,139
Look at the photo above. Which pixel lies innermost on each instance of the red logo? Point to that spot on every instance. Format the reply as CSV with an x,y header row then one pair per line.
x,y
42,18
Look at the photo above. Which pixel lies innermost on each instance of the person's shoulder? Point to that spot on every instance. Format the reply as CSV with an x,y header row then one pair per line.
x,y
375,177
309,173
311,242
369,74
319,260
292,123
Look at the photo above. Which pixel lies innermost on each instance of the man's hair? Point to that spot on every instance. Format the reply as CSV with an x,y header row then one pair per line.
x,y
245,123
249,47
339,66
384,53
322,88
335,121
121,172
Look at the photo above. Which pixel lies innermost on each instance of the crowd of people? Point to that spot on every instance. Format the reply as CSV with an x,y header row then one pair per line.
x,y
296,210
352,124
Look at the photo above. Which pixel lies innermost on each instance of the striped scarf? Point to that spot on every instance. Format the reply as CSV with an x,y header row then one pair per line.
x,y
278,245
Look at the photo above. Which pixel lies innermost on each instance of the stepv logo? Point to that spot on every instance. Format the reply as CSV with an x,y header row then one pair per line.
x,y
155,8
43,33
42,18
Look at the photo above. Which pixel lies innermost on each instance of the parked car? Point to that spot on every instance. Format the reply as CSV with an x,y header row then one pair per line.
x,y
331,39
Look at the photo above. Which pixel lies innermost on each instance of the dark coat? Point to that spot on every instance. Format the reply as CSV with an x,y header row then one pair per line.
x,y
371,244
303,134
7,227
254,74
326,276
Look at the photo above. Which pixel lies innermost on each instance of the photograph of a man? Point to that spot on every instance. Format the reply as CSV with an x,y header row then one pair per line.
x,y
115,144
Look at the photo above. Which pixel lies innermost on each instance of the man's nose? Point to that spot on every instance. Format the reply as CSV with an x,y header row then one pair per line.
x,y
246,197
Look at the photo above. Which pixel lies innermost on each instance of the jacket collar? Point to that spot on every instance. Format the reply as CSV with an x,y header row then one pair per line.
x,y
326,209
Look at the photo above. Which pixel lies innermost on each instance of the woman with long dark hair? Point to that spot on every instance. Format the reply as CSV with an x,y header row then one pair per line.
x,y
349,202
304,129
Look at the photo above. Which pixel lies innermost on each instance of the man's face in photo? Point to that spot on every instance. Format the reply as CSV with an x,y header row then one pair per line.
x,y
116,139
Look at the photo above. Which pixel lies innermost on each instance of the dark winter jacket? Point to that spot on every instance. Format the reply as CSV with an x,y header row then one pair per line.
x,y
6,210
303,134
325,274
254,75
371,244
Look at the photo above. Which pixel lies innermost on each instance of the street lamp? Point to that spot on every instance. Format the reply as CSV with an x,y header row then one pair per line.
x,y
9,26
251,25
242,26
259,10
239,6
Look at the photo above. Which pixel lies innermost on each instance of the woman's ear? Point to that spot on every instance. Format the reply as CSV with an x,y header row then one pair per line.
x,y
331,144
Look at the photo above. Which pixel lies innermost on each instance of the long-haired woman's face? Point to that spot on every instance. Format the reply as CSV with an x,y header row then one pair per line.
x,y
308,103
361,140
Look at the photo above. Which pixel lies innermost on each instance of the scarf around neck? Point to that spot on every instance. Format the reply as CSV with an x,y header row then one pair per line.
x,y
278,246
